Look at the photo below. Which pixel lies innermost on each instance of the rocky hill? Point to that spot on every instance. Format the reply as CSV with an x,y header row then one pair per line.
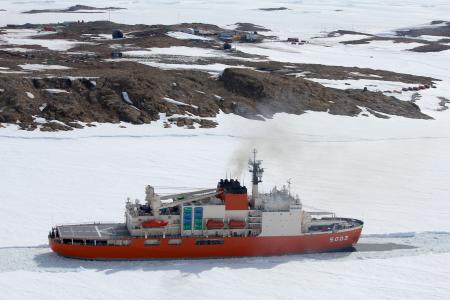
x,y
137,94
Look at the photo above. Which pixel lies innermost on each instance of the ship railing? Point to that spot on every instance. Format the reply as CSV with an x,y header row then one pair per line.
x,y
255,222
89,223
277,210
322,213
254,225
296,206
255,213
253,232
351,222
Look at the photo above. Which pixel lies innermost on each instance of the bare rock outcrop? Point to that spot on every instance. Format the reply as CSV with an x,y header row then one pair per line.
x,y
270,93
137,94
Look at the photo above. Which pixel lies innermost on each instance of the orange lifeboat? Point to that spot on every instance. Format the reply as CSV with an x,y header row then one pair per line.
x,y
236,224
155,223
214,224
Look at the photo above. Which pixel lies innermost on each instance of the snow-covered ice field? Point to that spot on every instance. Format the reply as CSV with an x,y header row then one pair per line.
x,y
393,174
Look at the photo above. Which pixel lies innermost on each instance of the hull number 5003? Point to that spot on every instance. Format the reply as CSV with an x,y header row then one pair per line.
x,y
338,238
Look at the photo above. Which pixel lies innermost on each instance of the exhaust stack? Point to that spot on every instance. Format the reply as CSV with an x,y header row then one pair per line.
x,y
257,172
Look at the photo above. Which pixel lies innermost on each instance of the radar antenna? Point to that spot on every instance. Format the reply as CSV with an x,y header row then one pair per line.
x,y
289,182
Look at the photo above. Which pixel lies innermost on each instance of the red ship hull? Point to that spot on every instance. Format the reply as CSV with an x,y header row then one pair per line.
x,y
229,247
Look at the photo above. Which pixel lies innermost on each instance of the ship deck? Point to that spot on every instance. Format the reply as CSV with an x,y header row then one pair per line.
x,y
115,231
94,231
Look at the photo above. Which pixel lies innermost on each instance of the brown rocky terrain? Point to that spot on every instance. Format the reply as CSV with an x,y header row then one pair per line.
x,y
72,9
241,91
98,89
408,36
274,8
443,29
269,94
428,46
433,47
250,27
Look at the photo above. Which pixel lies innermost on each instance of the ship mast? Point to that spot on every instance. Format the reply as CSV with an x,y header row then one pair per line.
x,y
257,171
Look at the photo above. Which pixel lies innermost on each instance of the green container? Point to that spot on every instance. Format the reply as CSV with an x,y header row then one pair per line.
x,y
187,216
198,224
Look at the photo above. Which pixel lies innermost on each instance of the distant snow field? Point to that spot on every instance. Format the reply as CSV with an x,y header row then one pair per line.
x,y
40,67
27,37
176,50
187,36
393,174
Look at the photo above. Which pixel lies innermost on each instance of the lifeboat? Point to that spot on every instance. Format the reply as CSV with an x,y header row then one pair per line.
x,y
236,224
155,223
214,224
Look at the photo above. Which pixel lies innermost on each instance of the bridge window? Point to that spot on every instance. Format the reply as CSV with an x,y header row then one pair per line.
x,y
152,242
117,242
175,242
209,242
126,242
